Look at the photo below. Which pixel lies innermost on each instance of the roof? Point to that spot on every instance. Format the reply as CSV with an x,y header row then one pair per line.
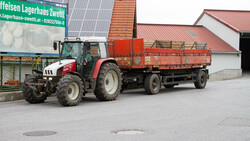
x,y
189,33
237,20
123,19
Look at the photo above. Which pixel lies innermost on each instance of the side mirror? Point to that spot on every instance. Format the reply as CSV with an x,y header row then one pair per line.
x,y
55,44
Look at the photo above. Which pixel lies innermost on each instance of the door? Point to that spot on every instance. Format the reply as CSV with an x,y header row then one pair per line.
x,y
92,55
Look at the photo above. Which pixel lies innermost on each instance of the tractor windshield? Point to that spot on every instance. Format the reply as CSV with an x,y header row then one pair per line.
x,y
72,50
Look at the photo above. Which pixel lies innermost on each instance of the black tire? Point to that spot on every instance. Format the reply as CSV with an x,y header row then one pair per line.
x,y
201,80
29,94
109,82
152,84
69,91
168,86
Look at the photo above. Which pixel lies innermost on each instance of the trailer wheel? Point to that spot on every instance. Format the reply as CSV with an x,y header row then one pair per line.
x,y
201,80
69,91
109,82
152,84
169,86
29,94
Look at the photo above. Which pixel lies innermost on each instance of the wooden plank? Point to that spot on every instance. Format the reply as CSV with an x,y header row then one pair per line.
x,y
149,43
173,44
201,45
190,45
163,44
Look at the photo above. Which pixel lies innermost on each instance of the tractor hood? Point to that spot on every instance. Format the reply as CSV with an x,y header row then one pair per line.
x,y
65,66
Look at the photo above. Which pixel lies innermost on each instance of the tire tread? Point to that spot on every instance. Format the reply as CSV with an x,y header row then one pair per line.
x,y
100,91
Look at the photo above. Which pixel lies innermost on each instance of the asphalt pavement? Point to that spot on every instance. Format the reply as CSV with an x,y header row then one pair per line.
x,y
220,112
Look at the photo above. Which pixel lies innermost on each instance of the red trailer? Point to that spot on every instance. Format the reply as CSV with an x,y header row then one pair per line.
x,y
153,66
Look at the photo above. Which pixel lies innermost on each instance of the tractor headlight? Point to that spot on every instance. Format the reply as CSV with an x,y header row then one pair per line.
x,y
47,78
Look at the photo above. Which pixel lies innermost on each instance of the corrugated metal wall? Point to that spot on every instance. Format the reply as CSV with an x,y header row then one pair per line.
x,y
224,61
222,31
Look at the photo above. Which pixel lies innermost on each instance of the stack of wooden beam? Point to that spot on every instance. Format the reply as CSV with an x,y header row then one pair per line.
x,y
11,83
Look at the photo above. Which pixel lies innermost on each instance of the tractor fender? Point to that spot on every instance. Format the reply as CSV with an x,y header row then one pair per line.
x,y
37,71
99,64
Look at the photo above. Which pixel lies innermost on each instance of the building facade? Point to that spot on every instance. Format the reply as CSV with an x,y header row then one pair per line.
x,y
232,26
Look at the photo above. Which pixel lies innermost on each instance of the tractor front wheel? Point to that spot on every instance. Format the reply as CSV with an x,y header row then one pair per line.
x,y
32,93
69,91
109,82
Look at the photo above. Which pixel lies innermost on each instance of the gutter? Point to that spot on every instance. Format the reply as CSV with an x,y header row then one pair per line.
x,y
217,52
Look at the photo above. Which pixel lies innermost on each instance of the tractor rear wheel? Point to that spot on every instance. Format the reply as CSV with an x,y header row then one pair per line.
x,y
109,82
152,84
69,91
30,95
201,80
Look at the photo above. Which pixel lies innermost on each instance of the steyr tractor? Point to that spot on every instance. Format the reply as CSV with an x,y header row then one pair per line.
x,y
83,67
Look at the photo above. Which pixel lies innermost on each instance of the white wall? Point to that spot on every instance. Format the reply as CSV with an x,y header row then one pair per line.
x,y
222,31
224,61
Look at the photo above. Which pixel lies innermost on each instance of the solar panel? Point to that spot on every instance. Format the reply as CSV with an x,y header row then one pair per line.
x,y
102,26
74,24
78,14
89,17
89,26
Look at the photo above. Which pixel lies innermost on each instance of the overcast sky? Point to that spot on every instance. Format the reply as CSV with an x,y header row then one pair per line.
x,y
182,11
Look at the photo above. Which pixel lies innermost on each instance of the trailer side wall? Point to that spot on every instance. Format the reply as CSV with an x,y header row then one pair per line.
x,y
131,54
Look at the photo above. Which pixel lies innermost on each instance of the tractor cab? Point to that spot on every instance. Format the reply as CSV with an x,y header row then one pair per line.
x,y
82,53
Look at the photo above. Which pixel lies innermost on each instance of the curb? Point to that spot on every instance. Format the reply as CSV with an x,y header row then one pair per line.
x,y
11,96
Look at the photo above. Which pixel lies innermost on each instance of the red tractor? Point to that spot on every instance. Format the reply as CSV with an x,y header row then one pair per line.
x,y
83,67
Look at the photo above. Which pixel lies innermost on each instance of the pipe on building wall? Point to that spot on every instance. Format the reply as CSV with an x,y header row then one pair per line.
x,y
233,53
217,52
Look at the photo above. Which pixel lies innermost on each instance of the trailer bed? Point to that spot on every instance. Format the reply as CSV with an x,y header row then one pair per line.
x,y
132,54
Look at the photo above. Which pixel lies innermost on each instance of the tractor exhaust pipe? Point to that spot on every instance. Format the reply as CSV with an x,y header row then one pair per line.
x,y
57,44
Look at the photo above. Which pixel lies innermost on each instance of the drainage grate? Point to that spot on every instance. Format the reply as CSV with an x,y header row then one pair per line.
x,y
129,132
243,122
39,133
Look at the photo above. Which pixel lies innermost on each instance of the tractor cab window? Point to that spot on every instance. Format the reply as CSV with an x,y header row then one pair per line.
x,y
103,50
98,49
92,53
72,50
